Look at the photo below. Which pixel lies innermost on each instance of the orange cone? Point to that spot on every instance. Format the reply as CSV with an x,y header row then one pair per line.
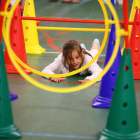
x,y
134,44
17,43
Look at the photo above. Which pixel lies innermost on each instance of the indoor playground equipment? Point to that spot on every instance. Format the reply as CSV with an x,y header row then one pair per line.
x,y
103,100
123,127
134,37
134,44
7,127
17,43
11,95
122,32
30,32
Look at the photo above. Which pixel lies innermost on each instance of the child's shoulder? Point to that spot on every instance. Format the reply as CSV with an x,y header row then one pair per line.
x,y
87,57
60,55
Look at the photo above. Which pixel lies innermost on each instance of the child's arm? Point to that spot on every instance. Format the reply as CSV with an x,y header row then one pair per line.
x,y
52,67
84,81
95,70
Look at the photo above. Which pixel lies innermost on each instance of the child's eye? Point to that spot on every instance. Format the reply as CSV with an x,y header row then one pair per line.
x,y
77,57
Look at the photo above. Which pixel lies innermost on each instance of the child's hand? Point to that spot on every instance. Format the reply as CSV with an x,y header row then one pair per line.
x,y
84,81
56,79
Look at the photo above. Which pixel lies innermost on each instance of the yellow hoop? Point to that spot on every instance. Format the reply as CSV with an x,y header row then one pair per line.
x,y
73,72
64,90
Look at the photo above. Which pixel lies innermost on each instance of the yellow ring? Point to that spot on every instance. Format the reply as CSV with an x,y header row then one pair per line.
x,y
73,72
64,90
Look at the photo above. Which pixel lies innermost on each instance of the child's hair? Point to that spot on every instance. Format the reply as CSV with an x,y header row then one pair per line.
x,y
68,48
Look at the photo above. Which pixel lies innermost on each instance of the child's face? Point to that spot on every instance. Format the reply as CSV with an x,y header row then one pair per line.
x,y
75,60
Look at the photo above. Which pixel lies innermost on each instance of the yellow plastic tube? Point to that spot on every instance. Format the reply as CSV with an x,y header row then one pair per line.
x,y
71,29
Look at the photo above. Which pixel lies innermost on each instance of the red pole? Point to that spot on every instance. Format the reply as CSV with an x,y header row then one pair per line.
x,y
1,17
69,20
63,20
125,16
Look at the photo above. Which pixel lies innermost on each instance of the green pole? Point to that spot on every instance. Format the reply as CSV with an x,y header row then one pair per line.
x,y
122,122
7,128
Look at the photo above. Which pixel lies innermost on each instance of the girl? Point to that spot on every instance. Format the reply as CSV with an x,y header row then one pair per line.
x,y
74,56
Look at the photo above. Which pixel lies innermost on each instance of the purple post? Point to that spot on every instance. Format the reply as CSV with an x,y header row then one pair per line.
x,y
103,100
13,96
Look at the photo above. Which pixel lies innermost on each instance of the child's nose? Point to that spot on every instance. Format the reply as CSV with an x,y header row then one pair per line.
x,y
74,61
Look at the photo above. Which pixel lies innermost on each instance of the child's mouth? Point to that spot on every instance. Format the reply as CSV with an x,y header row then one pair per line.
x,y
75,66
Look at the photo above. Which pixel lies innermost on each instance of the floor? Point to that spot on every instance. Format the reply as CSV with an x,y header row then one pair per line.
x,y
41,114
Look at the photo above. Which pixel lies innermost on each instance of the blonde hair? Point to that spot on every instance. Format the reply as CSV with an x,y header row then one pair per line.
x,y
68,48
